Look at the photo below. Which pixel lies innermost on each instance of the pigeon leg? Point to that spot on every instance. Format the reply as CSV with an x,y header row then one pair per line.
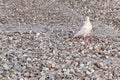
x,y
86,39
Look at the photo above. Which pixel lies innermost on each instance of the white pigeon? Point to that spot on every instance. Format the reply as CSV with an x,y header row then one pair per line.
x,y
85,30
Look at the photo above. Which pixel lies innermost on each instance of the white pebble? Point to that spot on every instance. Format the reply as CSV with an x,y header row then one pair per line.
x,y
82,42
21,79
37,34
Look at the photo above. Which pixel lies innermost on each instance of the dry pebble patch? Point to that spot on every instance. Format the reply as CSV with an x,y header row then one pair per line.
x,y
57,56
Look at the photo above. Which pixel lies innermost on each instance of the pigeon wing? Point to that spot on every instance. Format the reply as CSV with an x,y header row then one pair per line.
x,y
81,32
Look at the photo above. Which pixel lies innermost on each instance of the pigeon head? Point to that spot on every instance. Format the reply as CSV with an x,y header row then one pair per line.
x,y
87,18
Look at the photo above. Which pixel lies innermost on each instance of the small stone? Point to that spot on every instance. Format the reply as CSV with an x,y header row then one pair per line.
x,y
67,71
28,59
49,64
68,62
1,76
37,34
86,78
21,79
26,78
81,65
83,43
27,74
57,67
91,48
77,60
64,70
53,65
11,38
6,66
88,72
42,78
97,48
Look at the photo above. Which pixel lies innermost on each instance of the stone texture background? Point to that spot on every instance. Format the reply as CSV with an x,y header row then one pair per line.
x,y
60,12
36,40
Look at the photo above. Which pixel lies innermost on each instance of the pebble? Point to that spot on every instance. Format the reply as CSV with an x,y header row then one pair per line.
x,y
21,79
27,74
39,58
37,34
42,78
6,67
83,43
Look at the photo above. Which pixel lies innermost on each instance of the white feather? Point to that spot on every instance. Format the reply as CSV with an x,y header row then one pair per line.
x,y
85,30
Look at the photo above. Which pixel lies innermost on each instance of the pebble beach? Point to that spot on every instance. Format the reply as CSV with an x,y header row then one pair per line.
x,y
36,41
55,55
